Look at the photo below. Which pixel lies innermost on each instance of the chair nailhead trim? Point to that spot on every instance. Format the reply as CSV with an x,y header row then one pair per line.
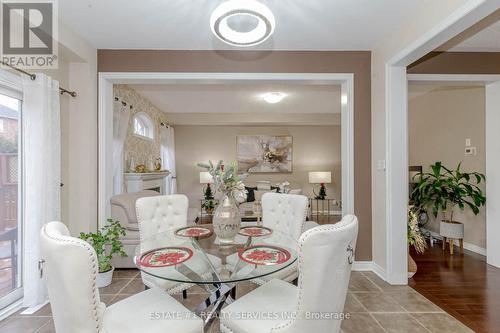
x,y
92,254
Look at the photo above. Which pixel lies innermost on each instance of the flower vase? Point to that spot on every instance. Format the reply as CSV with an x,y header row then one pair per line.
x,y
412,266
227,220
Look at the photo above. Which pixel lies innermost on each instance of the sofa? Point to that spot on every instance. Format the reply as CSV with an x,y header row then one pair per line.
x,y
123,210
254,196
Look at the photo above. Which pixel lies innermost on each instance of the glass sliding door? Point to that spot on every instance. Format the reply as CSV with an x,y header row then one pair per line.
x,y
10,199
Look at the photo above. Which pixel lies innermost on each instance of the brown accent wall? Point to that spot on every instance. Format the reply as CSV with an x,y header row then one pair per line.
x,y
357,62
457,63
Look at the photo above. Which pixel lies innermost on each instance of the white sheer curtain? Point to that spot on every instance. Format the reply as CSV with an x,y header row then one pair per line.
x,y
168,158
42,165
121,117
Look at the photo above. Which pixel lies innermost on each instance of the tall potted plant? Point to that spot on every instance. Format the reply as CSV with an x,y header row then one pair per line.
x,y
106,243
442,190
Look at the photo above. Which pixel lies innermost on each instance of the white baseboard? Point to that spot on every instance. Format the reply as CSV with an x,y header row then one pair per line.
x,y
467,246
369,266
362,266
11,309
34,309
379,271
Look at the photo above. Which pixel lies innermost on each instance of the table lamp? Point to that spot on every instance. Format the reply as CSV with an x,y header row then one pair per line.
x,y
206,177
322,178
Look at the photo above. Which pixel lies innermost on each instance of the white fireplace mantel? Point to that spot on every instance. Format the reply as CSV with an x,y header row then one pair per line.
x,y
136,182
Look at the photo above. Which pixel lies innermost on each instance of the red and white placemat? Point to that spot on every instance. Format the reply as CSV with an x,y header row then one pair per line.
x,y
165,256
255,231
264,255
193,232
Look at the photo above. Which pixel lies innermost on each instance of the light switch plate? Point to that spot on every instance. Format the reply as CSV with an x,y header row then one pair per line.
x,y
380,164
471,151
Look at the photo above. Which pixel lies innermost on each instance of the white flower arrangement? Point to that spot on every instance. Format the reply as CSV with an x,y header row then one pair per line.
x,y
227,180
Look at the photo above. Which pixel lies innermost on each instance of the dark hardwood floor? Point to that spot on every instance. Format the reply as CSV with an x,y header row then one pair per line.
x,y
464,285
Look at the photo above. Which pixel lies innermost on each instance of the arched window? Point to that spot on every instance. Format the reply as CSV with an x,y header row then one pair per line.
x,y
143,126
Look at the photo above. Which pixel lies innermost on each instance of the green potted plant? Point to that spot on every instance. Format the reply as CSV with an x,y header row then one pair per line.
x,y
106,243
415,239
442,190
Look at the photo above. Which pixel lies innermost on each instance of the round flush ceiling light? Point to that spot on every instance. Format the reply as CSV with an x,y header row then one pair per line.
x,y
242,22
273,97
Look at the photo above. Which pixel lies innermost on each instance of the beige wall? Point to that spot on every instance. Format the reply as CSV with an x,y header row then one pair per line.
x,y
135,147
315,148
78,72
440,120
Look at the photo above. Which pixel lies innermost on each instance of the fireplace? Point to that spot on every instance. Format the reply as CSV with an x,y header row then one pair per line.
x,y
135,182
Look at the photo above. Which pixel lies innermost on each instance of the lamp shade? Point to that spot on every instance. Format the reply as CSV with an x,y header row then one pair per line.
x,y
206,178
320,177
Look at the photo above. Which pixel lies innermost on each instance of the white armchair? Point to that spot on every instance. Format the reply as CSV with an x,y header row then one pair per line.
x,y
325,259
158,214
70,271
285,213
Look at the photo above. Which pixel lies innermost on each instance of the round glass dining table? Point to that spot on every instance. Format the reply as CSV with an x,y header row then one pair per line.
x,y
194,255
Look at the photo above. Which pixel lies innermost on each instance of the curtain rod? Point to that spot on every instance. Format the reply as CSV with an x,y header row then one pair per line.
x,y
33,77
117,99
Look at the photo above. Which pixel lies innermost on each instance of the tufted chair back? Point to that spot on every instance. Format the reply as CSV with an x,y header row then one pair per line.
x,y
160,213
326,254
70,271
284,212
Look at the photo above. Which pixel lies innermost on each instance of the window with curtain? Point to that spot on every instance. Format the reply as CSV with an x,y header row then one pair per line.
x,y
10,200
143,126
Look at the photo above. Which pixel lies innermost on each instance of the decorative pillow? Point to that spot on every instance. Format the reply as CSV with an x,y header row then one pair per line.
x,y
250,193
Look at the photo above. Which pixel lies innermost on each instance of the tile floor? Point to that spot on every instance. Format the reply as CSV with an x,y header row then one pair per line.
x,y
373,305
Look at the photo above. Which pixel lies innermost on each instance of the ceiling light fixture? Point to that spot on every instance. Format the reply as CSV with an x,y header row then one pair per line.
x,y
242,22
273,97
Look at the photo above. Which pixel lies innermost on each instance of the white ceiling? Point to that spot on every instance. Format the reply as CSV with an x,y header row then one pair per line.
x,y
481,37
184,24
417,89
241,98
242,103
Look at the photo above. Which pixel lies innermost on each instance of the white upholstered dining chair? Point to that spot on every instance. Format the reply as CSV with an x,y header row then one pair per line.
x,y
158,214
326,254
285,213
70,271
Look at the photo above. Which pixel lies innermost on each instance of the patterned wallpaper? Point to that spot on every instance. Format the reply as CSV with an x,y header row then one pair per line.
x,y
138,148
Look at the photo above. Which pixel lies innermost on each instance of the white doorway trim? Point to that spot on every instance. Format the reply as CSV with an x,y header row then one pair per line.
x,y
492,85
105,118
397,128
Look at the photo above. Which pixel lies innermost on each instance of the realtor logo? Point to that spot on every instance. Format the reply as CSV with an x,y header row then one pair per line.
x,y
29,33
